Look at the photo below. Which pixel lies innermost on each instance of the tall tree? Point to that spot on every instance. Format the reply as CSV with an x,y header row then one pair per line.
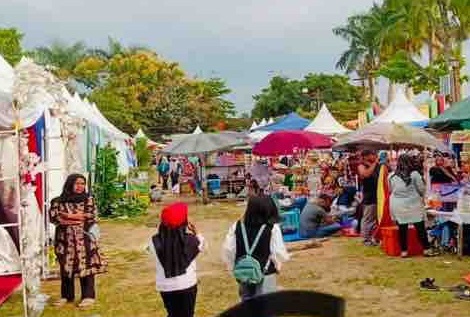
x,y
61,56
10,45
284,95
366,35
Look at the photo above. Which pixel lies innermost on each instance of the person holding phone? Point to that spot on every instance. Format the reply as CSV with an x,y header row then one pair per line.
x,y
74,213
175,247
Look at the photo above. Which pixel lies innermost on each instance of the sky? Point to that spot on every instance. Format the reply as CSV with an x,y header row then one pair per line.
x,y
245,42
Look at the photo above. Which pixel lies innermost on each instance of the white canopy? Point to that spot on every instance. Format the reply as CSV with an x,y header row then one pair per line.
x,y
198,130
254,125
27,82
401,110
325,123
257,136
263,123
270,121
140,135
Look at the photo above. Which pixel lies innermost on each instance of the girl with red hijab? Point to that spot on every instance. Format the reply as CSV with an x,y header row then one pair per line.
x,y
176,246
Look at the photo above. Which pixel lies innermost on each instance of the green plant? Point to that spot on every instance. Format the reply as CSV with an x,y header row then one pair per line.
x,y
130,207
105,188
144,155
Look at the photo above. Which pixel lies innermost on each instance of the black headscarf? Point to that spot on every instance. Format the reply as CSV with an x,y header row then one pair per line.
x,y
405,168
175,249
68,195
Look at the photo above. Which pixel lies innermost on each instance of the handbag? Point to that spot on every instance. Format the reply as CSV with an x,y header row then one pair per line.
x,y
94,232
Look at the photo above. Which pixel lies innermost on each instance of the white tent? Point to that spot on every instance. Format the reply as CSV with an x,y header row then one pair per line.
x,y
270,121
254,125
325,123
263,123
402,110
198,130
140,135
257,136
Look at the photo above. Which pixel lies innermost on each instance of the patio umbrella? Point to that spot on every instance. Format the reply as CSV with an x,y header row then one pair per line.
x,y
287,142
457,117
204,143
381,136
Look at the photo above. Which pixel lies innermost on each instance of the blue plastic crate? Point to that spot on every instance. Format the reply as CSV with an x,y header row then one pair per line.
x,y
290,225
213,186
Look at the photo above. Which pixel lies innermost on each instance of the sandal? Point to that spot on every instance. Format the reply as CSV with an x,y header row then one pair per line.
x,y
428,285
431,252
60,302
465,295
458,288
86,302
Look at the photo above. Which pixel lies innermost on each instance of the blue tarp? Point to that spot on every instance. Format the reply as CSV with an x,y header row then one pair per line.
x,y
292,121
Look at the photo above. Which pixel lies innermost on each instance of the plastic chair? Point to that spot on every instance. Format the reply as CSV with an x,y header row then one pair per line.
x,y
290,303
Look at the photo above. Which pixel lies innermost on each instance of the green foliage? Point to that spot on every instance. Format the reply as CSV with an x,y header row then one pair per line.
x,y
143,154
105,188
399,69
384,40
60,55
130,207
10,45
284,95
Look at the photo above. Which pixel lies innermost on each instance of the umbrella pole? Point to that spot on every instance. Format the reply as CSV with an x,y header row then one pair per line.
x,y
205,198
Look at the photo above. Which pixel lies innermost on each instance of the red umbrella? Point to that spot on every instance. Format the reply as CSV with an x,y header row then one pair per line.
x,y
288,142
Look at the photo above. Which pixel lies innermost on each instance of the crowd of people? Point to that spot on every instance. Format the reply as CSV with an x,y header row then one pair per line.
x,y
254,248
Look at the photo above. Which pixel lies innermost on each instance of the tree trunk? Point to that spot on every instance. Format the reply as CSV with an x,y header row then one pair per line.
x,y
391,92
371,82
409,93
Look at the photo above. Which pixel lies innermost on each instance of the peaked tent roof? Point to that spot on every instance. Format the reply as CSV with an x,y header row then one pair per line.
x,y
197,130
325,123
263,123
401,110
254,125
140,134
292,121
457,117
270,121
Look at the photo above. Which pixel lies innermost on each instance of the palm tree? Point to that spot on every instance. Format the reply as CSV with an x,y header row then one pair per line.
x,y
60,56
366,34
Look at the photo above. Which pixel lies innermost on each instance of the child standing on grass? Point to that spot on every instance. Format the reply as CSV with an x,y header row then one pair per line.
x,y
155,194
176,246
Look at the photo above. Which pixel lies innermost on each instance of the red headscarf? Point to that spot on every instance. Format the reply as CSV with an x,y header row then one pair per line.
x,y
175,215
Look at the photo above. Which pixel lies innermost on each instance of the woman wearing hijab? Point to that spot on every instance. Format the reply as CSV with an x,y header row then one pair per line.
x,y
176,246
407,189
76,242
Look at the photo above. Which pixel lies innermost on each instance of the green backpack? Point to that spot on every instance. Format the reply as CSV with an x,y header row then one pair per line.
x,y
247,269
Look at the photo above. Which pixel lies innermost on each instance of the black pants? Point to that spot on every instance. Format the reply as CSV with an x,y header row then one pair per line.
x,y
87,285
174,179
165,181
420,230
180,303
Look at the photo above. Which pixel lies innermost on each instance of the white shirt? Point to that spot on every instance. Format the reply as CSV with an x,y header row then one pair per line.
x,y
278,248
180,282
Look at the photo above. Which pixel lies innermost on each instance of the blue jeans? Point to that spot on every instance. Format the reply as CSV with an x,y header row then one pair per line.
x,y
322,231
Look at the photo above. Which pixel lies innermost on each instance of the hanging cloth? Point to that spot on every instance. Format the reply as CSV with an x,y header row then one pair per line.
x,y
383,202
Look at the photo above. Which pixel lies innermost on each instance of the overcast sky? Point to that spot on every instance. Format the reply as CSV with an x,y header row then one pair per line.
x,y
243,41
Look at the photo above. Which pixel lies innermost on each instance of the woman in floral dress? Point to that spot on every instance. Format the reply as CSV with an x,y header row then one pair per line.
x,y
74,213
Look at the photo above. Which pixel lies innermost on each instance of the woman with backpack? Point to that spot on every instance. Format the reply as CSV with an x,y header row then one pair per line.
x,y
254,248
176,246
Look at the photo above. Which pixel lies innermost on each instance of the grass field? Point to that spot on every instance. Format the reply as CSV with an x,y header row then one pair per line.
x,y
372,283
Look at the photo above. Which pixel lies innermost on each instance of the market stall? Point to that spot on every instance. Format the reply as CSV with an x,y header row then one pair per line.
x,y
201,144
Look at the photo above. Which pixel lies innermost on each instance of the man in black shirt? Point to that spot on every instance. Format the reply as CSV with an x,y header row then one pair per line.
x,y
369,174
